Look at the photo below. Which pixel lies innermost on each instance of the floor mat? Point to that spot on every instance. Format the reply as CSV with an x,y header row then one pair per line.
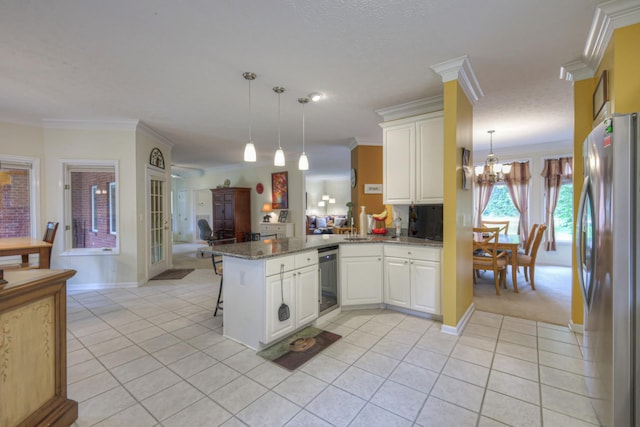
x,y
294,351
173,274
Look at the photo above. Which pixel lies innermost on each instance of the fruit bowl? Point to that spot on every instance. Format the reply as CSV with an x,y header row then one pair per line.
x,y
379,230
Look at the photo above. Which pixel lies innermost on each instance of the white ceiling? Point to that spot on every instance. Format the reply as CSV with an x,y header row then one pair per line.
x,y
177,66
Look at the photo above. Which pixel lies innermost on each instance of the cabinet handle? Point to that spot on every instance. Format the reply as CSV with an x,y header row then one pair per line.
x,y
406,262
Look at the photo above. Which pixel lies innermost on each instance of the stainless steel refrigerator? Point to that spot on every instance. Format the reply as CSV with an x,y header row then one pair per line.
x,y
606,246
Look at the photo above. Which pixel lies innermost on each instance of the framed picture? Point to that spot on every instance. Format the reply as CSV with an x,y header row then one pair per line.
x,y
283,216
373,189
466,154
601,94
280,190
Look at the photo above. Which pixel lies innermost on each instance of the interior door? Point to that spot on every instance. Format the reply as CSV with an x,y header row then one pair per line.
x,y
159,242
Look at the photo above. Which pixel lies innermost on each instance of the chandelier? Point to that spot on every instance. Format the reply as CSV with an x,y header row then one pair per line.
x,y
493,171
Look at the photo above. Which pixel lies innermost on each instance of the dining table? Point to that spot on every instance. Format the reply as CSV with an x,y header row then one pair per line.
x,y
24,246
511,242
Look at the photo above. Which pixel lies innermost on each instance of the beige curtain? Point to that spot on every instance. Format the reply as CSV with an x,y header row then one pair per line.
x,y
517,182
482,194
555,170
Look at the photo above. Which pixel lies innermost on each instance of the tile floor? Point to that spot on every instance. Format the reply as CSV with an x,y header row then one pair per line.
x,y
155,356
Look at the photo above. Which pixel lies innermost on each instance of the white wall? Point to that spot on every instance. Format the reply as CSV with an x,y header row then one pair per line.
x,y
87,141
536,156
338,188
246,176
91,144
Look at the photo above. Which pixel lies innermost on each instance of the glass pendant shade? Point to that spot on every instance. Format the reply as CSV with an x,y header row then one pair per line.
x,y
249,152
278,159
303,163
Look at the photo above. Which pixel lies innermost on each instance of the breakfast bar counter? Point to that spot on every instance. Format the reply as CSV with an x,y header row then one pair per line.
x,y
261,249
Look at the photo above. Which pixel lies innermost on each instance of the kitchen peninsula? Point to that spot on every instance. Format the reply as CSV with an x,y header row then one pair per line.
x,y
261,276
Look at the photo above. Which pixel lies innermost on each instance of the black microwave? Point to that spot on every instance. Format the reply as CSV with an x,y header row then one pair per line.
x,y
425,222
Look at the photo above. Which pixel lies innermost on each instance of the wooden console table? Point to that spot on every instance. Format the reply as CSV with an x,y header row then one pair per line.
x,y
33,349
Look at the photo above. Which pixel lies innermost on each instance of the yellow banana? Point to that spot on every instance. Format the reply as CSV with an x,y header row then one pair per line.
x,y
381,216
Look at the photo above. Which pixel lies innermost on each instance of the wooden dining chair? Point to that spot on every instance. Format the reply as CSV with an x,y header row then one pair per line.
x,y
528,261
503,225
487,257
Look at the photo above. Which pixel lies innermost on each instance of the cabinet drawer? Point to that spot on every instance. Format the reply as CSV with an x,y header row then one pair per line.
x,y
413,252
360,249
273,264
305,259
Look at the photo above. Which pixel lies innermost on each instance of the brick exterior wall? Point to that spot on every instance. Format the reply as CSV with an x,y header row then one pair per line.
x,y
83,236
15,205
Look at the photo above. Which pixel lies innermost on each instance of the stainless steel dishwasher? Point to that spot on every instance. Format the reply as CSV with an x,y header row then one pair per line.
x,y
328,271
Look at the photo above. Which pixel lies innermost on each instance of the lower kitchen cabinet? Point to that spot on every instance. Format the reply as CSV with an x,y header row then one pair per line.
x,y
254,290
298,289
412,278
361,274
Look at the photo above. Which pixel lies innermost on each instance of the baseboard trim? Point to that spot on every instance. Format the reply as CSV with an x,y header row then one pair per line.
x,y
459,328
95,286
576,327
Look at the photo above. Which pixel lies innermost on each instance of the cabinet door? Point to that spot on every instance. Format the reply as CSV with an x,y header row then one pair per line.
x,y
397,275
430,160
398,183
307,294
275,327
425,286
361,280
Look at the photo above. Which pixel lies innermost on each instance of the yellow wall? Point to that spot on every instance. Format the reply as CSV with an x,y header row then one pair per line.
x,y
622,63
626,66
367,161
457,279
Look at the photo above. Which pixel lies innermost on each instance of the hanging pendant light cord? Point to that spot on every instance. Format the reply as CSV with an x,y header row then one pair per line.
x,y
279,146
250,111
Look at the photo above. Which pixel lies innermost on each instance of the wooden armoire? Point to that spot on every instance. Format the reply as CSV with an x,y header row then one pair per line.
x,y
231,212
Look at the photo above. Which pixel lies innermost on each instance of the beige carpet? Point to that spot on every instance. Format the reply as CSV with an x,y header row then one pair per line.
x,y
185,255
550,302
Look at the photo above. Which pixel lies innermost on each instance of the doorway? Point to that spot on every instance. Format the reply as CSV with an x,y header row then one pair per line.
x,y
159,245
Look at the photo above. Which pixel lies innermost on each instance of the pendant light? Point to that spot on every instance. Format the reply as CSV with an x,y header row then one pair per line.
x,y
278,159
249,149
303,163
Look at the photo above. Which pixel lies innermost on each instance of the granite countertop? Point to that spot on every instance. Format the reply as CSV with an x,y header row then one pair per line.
x,y
277,247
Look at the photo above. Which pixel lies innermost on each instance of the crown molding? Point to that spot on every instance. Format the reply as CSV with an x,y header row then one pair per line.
x,y
460,69
124,124
607,17
145,128
413,108
359,141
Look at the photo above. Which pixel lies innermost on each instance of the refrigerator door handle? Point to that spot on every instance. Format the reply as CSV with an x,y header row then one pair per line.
x,y
585,244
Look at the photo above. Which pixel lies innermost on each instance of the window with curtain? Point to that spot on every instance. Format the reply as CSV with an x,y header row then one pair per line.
x,y
557,175
501,208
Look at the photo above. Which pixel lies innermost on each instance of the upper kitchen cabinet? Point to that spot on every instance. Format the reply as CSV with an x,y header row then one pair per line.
x,y
413,157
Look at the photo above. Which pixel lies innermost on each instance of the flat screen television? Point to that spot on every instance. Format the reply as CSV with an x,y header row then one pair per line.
x,y
425,222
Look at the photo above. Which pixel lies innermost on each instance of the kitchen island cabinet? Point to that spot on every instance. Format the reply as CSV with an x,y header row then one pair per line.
x,y
254,290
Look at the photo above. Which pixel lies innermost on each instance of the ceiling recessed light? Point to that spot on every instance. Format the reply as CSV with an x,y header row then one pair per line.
x,y
316,96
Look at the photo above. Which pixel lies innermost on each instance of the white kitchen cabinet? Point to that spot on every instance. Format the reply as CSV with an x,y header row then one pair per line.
x,y
397,274
277,328
281,229
425,286
412,278
299,291
307,295
413,157
361,270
